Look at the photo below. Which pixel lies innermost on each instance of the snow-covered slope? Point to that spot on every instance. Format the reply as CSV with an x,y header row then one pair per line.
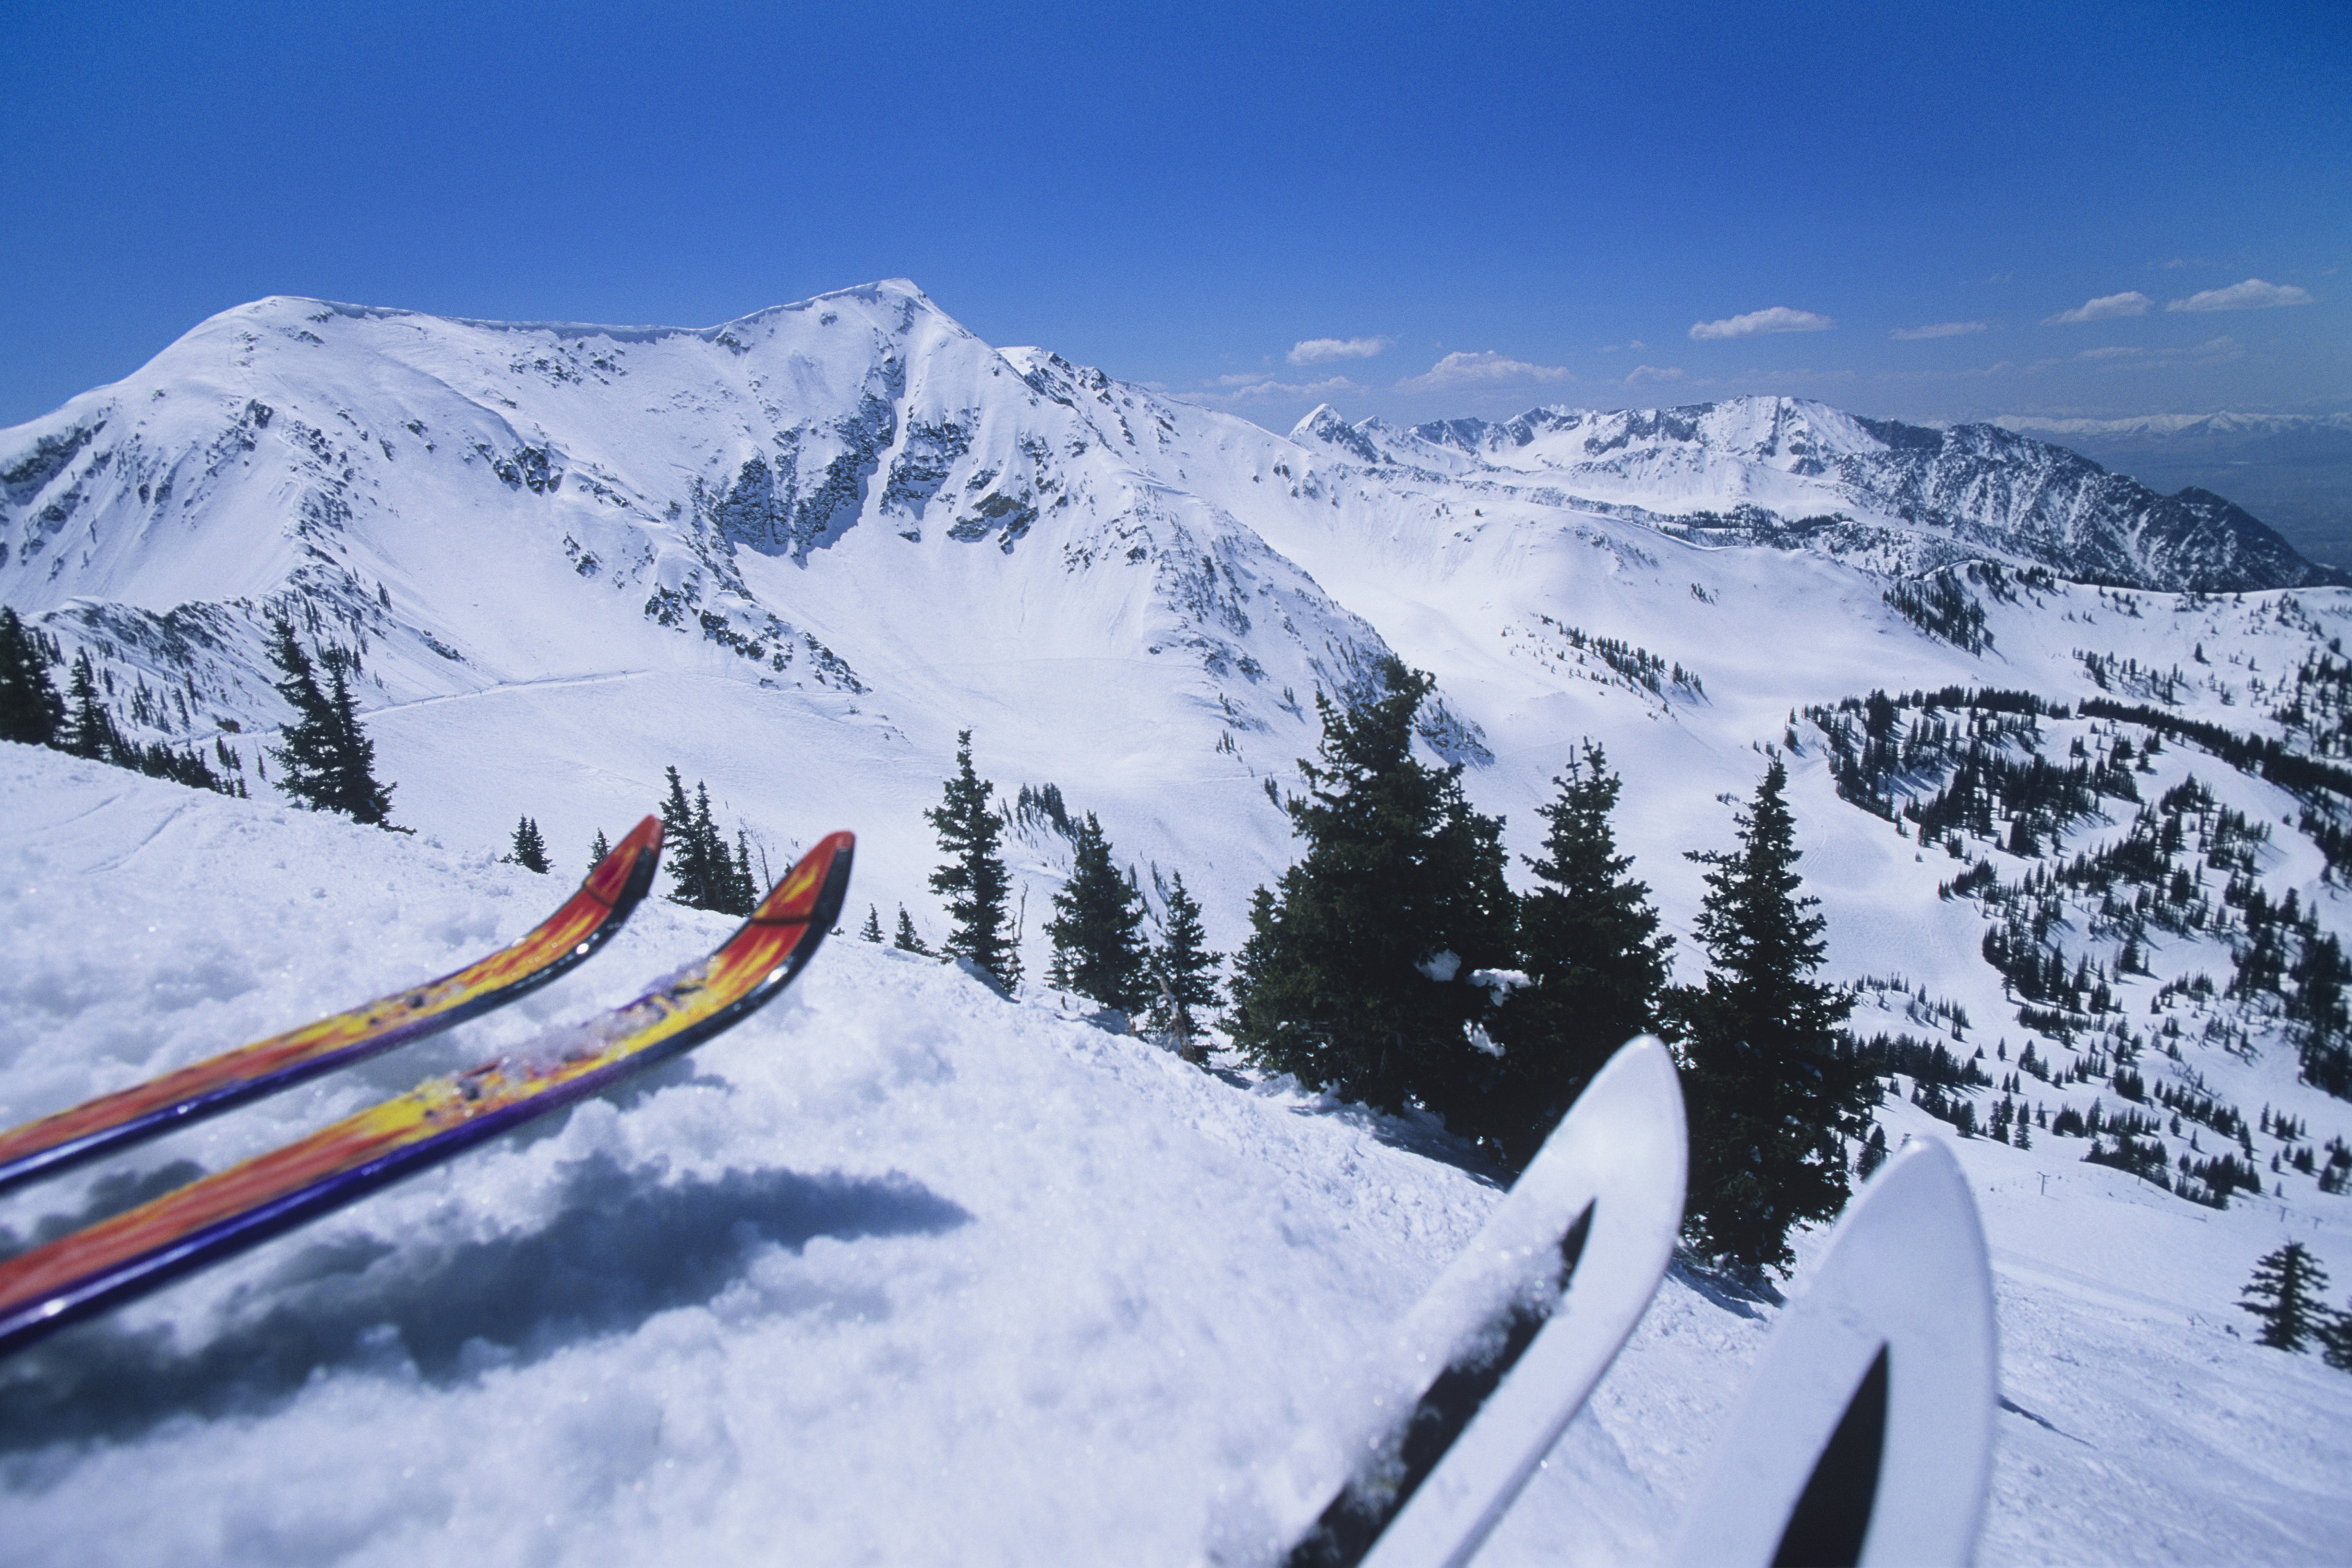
x,y
898,1271
796,555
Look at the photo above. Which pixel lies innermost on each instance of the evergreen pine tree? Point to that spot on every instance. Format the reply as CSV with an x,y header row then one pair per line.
x,y
974,878
1590,945
598,850
747,886
1097,927
682,847
352,786
906,941
2287,1293
306,762
872,930
710,851
706,875
30,709
1182,971
89,729
1771,1085
1356,973
529,850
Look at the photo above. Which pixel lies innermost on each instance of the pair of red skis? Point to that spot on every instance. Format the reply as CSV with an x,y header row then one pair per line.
x,y
116,1259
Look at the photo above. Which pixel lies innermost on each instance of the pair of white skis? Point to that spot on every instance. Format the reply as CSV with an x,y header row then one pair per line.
x,y
1864,1439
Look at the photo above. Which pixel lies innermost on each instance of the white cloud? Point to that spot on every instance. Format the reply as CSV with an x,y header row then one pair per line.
x,y
2253,294
1245,388
2110,353
1323,350
1489,369
2105,307
1940,329
1641,373
1778,318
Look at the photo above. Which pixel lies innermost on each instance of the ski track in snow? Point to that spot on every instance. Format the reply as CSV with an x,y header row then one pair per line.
x,y
898,1271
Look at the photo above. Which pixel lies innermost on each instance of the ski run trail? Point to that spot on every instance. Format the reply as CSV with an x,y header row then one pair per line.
x,y
899,1272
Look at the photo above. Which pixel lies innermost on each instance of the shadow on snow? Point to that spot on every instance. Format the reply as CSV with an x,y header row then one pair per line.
x,y
623,1246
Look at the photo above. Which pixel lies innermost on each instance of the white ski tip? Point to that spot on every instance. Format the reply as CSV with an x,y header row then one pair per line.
x,y
1907,1275
1621,1152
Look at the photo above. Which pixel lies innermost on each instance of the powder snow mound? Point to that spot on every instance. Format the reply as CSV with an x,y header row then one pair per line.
x,y
1788,471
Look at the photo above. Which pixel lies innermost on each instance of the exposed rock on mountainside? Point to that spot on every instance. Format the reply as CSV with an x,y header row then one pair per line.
x,y
1780,470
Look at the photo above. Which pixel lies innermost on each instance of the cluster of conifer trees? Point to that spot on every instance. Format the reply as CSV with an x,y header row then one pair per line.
x,y
325,761
1393,964
705,871
706,874
1099,948
79,722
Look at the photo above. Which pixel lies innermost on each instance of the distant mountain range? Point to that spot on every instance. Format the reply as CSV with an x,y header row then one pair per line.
x,y
2294,470
1902,497
841,530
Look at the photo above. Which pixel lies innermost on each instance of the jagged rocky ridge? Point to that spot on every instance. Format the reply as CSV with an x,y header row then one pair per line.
x,y
1787,472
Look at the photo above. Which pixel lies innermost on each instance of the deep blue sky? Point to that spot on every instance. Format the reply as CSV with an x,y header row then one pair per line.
x,y
1181,194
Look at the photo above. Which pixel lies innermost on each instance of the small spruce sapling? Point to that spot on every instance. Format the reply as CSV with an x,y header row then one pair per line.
x,y
598,850
907,940
872,930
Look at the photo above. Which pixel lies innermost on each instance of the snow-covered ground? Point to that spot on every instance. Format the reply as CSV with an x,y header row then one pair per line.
x,y
902,1272
899,1272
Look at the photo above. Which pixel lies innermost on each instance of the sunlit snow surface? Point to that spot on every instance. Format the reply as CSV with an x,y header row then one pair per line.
x,y
900,1272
